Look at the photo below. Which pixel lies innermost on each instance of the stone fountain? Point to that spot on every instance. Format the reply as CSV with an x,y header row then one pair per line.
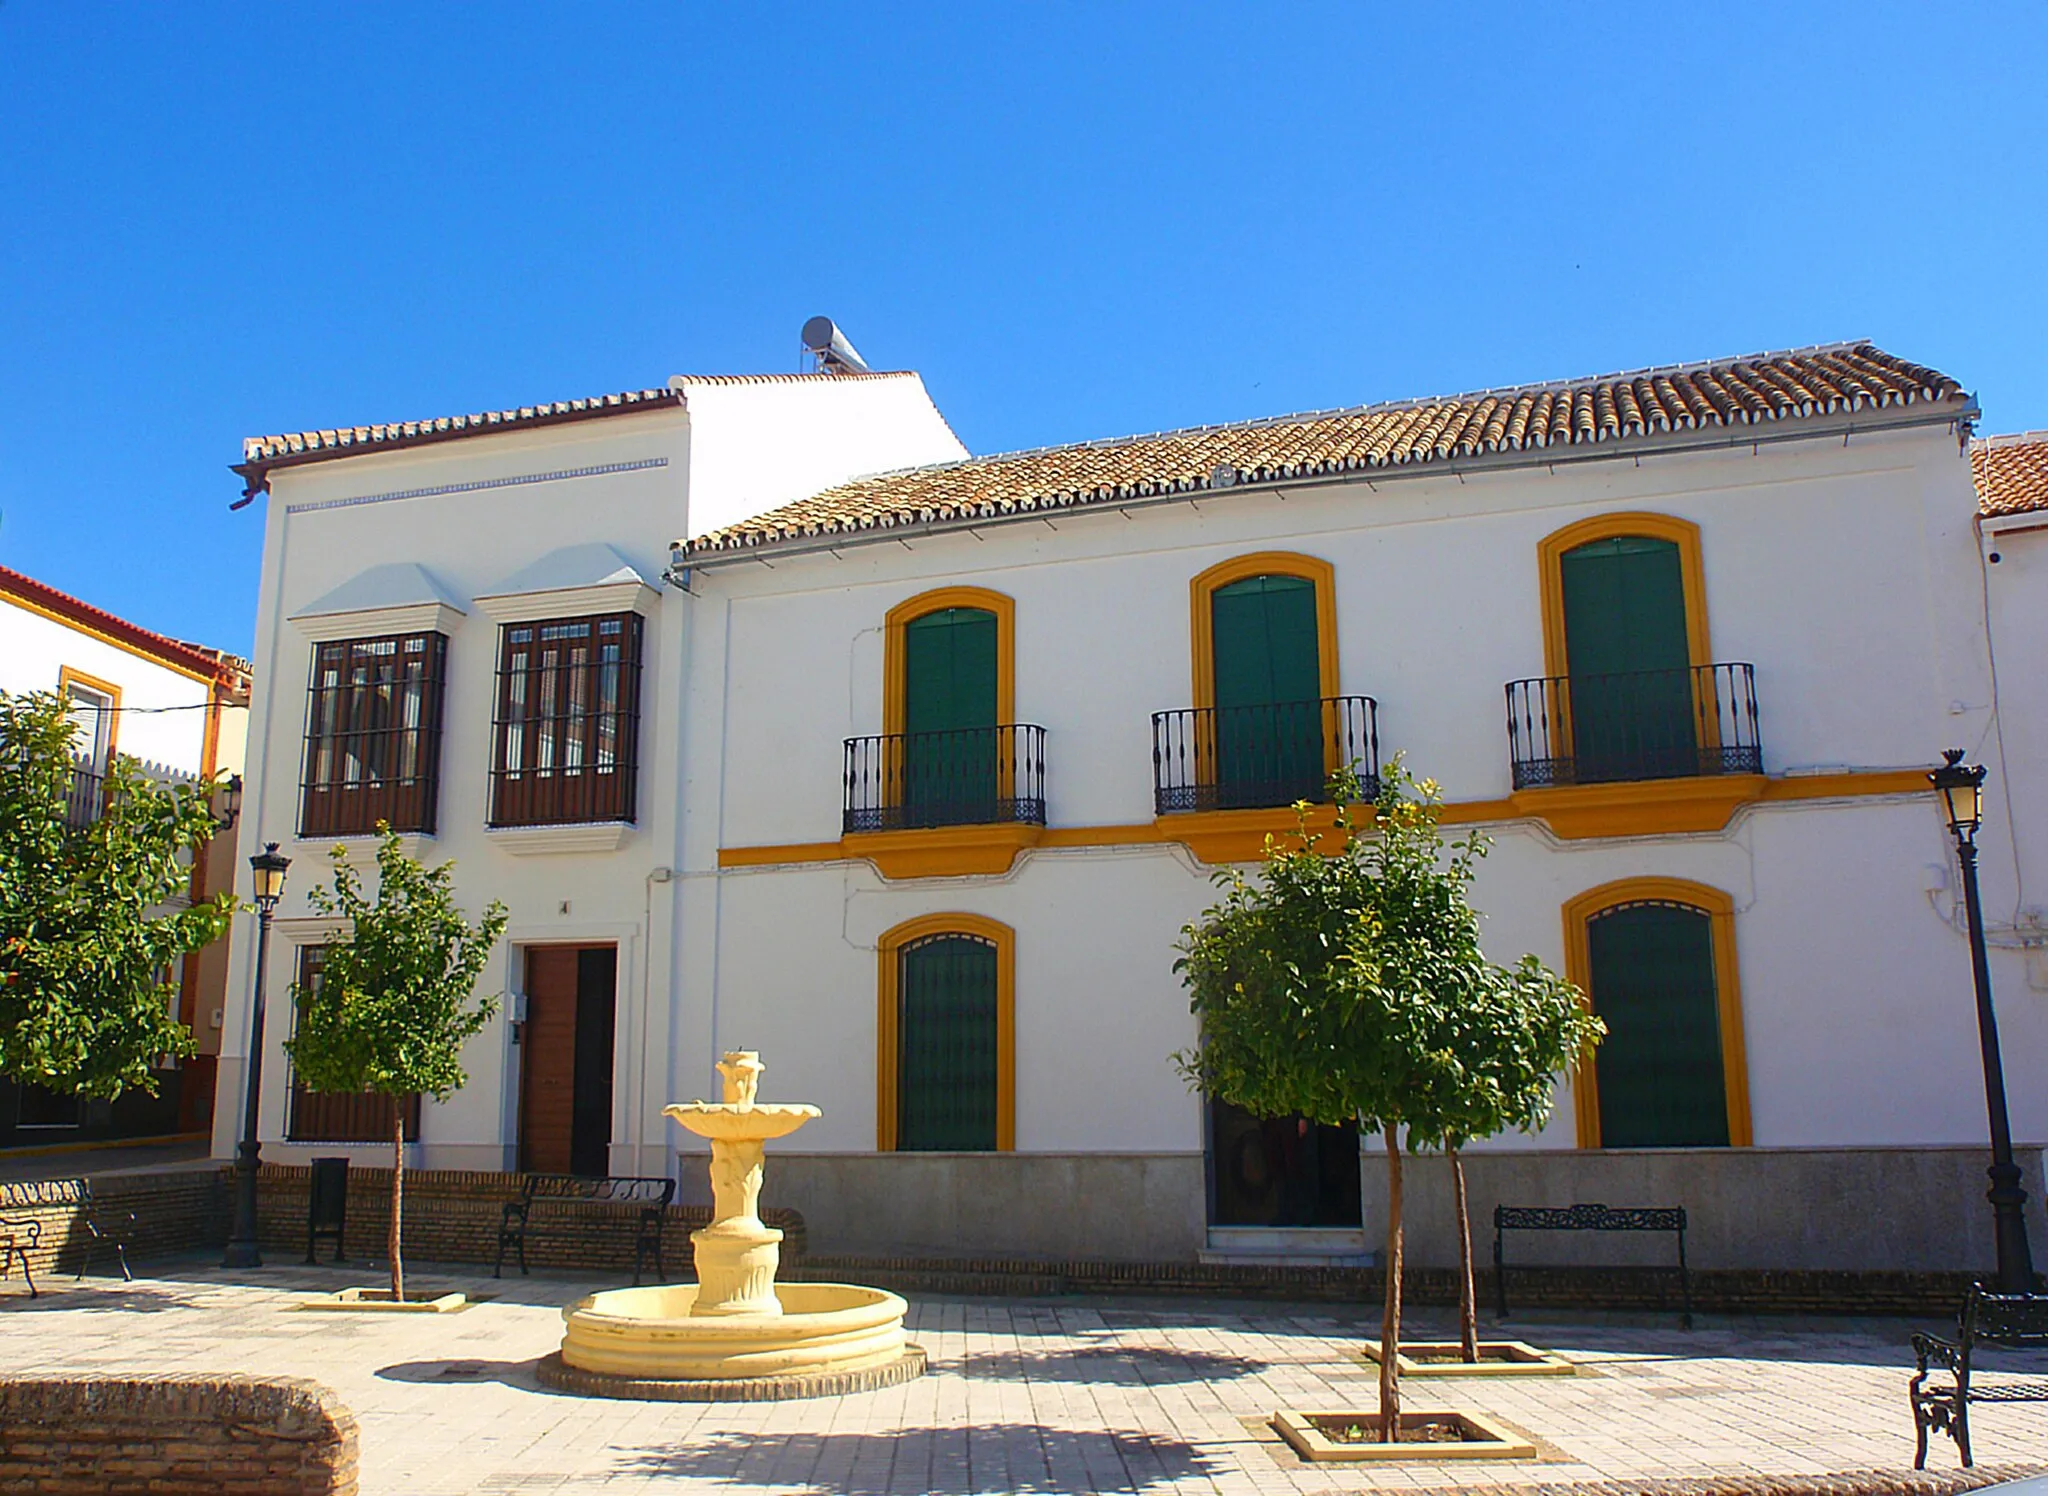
x,y
735,1334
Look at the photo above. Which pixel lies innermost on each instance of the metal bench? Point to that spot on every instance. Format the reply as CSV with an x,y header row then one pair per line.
x,y
549,1199
1670,1218
75,1194
17,1240
2015,1321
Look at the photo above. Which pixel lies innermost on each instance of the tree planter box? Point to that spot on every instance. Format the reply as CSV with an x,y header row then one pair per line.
x,y
1497,1358
1326,1437
379,1301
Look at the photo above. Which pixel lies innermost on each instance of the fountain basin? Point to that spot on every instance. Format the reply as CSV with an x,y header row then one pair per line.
x,y
650,1334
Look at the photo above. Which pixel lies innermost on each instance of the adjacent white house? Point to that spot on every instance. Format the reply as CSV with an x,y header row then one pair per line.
x,y
181,710
778,721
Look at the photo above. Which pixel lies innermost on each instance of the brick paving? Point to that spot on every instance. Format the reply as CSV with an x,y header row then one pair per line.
x,y
1025,1395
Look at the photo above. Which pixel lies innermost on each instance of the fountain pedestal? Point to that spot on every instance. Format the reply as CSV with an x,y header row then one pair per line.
x,y
732,1334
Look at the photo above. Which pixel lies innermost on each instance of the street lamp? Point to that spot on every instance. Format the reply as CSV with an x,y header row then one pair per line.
x,y
1961,787
269,867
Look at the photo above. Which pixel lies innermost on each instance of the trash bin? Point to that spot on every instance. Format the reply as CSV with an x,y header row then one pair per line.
x,y
327,1205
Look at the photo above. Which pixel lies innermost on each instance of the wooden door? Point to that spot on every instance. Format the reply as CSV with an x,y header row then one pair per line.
x,y
565,1092
949,717
1661,1079
1628,658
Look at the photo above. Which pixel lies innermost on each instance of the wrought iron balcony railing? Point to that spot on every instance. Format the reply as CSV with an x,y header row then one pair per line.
x,y
1645,724
976,776
1259,757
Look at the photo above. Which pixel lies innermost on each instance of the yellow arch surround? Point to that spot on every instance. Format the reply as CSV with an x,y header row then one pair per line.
x,y
1682,532
1202,618
895,650
889,951
1720,911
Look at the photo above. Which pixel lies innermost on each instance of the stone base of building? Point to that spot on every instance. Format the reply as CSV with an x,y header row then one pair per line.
x,y
1855,1210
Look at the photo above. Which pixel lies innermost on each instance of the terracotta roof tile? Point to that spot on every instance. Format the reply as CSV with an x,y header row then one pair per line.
x,y
1761,388
2011,473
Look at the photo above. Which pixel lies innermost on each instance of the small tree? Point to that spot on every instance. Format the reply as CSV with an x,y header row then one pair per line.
x,y
93,915
1341,986
392,1007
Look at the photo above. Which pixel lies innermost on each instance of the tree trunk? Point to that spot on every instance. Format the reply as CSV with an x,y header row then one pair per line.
x,y
397,1197
1468,1307
1390,1322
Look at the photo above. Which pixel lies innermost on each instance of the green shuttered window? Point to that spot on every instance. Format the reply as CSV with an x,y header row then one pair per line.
x,y
946,1067
1660,1072
951,746
1268,691
1628,657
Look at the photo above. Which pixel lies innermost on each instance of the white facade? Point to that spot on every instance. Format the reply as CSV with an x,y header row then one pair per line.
x,y
1843,563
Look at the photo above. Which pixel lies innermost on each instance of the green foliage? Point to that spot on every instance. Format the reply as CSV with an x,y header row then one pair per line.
x,y
392,1007
1345,981
92,918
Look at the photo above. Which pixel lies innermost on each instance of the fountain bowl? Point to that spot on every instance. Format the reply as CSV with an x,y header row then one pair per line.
x,y
831,1338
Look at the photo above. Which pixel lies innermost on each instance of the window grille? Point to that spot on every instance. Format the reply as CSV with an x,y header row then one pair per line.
x,y
373,735
567,734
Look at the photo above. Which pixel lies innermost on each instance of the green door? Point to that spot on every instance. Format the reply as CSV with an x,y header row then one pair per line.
x,y
1629,660
950,742
1660,1074
1268,692
946,1056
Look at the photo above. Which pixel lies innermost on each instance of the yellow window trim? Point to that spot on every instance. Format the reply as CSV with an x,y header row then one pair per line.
x,y
889,951
1720,911
68,677
1202,621
895,691
1682,532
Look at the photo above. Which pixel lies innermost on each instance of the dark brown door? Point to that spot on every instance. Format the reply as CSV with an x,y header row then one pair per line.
x,y
565,1100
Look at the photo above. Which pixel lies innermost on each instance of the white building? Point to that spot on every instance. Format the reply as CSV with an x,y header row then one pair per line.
x,y
910,776
181,710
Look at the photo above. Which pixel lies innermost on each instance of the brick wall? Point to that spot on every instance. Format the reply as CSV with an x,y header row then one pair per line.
x,y
174,1436
452,1216
174,1213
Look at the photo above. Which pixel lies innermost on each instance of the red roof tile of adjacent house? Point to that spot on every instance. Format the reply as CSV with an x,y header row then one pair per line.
x,y
2011,473
261,455
194,659
1763,388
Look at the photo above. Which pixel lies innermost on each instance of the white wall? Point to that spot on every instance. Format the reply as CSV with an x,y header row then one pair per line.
x,y
162,717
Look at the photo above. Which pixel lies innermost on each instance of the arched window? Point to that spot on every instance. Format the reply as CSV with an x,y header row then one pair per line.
x,y
1268,729
948,757
1656,958
1632,691
945,1036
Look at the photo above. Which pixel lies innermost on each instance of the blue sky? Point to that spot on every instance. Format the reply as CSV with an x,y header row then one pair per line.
x,y
1076,220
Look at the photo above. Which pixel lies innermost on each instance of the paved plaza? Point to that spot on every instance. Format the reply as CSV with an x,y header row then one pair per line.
x,y
1024,1395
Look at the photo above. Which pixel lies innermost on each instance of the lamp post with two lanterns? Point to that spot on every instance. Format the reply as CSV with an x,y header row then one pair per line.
x,y
1961,787
269,868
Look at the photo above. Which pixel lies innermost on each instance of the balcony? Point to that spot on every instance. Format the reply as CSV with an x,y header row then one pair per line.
x,y
1262,757
1647,724
976,776
86,797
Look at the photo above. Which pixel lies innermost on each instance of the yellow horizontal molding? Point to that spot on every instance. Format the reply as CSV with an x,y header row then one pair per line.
x,y
1579,812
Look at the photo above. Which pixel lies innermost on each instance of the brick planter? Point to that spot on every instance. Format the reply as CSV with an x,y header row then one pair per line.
x,y
175,1436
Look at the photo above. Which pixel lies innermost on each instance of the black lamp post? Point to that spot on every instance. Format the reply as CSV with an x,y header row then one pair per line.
x,y
269,868
1961,787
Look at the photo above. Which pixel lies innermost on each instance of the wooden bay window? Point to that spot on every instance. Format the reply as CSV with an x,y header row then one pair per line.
x,y
373,735
567,737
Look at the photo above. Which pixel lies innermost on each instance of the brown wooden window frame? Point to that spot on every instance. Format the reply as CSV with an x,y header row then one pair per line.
x,y
339,1116
359,770
565,740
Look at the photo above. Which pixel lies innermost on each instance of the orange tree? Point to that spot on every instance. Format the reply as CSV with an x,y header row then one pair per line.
x,y
93,909
1344,982
392,1005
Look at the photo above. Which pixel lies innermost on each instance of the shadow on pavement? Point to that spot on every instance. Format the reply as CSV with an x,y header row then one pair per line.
x,y
1133,1365
456,1372
1014,1457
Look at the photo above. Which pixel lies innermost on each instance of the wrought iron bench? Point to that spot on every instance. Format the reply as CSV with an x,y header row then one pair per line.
x,y
2015,1321
75,1194
1670,1218
548,1200
17,1240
